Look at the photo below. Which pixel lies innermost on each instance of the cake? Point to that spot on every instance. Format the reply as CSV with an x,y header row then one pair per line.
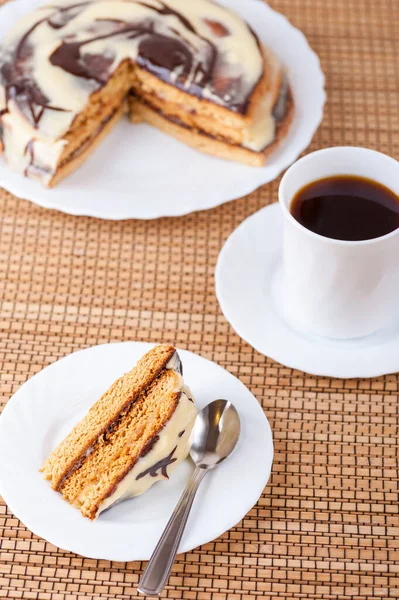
x,y
194,69
137,433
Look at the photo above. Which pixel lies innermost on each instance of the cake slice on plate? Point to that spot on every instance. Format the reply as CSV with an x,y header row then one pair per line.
x,y
134,435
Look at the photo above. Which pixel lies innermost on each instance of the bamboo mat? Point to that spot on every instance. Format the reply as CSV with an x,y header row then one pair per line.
x,y
326,526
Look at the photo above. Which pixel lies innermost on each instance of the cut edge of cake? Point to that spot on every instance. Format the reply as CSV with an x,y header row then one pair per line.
x,y
78,157
212,145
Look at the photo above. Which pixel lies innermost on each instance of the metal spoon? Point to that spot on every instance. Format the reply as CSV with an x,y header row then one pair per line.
x,y
215,434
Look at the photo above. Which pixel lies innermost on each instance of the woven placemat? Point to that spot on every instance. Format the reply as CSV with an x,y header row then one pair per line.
x,y
326,527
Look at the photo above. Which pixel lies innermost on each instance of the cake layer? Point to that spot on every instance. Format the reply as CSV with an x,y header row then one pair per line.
x,y
217,146
103,103
103,415
148,83
75,159
254,131
147,434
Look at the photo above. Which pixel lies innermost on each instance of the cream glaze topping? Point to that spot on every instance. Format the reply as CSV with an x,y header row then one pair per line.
x,y
57,56
175,364
170,450
261,132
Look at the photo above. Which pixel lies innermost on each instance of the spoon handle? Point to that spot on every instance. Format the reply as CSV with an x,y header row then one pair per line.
x,y
161,562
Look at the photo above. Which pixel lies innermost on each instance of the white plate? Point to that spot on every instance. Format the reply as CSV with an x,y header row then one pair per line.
x,y
46,408
142,173
247,286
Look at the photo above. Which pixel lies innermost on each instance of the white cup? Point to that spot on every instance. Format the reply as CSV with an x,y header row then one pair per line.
x,y
334,288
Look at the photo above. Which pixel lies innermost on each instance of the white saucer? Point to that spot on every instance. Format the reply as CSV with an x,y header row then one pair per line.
x,y
247,287
45,409
151,175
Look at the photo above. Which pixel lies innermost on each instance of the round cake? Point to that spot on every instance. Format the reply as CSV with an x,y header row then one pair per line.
x,y
194,69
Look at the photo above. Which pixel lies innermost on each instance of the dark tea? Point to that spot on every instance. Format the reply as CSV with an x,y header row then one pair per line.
x,y
347,207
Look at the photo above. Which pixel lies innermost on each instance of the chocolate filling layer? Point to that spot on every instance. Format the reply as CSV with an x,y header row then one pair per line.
x,y
279,112
89,141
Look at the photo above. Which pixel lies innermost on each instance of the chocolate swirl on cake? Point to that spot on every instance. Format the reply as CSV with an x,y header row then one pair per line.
x,y
62,59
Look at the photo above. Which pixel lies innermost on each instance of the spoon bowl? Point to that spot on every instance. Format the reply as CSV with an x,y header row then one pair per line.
x,y
215,434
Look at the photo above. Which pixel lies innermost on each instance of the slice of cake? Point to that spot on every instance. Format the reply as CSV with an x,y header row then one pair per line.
x,y
192,68
134,435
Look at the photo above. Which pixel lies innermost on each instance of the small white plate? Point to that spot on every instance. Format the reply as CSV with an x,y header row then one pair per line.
x,y
247,286
46,408
141,173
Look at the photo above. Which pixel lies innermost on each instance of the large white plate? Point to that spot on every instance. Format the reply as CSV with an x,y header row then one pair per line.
x,y
45,409
142,173
248,275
